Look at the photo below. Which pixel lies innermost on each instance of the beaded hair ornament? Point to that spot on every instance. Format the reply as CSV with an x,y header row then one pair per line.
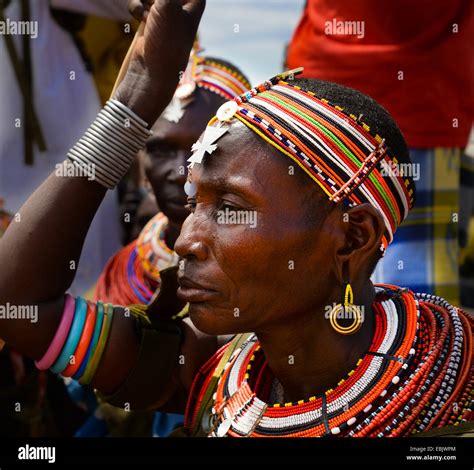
x,y
336,149
208,74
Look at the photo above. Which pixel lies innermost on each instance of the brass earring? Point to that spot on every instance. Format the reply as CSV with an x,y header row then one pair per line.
x,y
353,310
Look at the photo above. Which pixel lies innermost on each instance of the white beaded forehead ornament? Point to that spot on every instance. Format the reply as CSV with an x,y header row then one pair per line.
x,y
207,144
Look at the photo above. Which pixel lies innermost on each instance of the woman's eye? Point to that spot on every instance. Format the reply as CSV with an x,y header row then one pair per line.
x,y
228,207
223,208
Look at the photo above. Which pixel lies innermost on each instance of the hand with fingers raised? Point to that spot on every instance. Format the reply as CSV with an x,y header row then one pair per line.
x,y
160,53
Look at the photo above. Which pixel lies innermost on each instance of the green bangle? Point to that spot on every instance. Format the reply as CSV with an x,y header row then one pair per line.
x,y
93,345
104,335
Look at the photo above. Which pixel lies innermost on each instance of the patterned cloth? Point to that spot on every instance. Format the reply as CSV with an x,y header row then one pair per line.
x,y
424,255
466,229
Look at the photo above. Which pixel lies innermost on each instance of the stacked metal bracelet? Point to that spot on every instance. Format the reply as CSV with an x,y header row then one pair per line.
x,y
110,144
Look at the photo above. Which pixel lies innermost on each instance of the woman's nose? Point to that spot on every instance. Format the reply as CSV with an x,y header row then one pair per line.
x,y
191,243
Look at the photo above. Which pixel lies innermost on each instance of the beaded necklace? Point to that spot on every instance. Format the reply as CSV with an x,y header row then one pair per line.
x,y
133,274
418,365
152,250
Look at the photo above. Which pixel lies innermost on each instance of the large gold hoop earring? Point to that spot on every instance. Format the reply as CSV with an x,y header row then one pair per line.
x,y
348,308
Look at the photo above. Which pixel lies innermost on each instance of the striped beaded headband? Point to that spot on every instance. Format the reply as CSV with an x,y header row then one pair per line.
x,y
334,148
208,74
220,79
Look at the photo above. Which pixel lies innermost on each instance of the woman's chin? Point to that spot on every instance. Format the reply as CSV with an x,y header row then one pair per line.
x,y
211,321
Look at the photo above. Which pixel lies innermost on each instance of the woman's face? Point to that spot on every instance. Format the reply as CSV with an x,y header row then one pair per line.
x,y
254,255
169,148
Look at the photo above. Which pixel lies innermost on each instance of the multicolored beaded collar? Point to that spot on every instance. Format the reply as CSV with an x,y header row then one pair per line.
x,y
416,375
151,247
337,150
133,274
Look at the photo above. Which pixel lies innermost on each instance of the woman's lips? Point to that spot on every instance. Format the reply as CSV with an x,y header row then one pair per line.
x,y
191,291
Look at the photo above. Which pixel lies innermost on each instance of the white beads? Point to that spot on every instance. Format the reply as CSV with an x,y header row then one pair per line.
x,y
227,111
190,188
224,427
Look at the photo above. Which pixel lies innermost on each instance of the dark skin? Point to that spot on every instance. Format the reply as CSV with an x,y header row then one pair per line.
x,y
166,153
241,267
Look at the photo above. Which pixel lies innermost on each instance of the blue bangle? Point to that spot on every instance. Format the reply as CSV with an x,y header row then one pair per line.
x,y
73,338
93,343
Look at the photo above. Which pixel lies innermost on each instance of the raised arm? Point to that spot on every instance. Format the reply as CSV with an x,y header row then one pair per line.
x,y
40,250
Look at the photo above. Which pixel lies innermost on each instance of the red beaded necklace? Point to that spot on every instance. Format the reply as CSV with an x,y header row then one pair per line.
x,y
391,391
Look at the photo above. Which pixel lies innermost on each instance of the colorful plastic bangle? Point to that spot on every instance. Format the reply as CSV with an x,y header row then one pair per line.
x,y
73,338
93,343
84,341
94,364
60,336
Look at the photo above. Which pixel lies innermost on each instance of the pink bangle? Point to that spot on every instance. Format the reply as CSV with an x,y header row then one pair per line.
x,y
59,339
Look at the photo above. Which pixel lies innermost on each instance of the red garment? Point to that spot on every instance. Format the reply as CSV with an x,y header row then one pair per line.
x,y
412,36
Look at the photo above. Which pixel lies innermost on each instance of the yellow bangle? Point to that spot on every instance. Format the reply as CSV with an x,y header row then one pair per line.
x,y
91,368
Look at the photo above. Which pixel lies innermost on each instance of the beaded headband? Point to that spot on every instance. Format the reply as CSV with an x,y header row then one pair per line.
x,y
334,148
208,74
220,79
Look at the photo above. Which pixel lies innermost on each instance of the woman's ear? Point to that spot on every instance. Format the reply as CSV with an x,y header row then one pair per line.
x,y
363,227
